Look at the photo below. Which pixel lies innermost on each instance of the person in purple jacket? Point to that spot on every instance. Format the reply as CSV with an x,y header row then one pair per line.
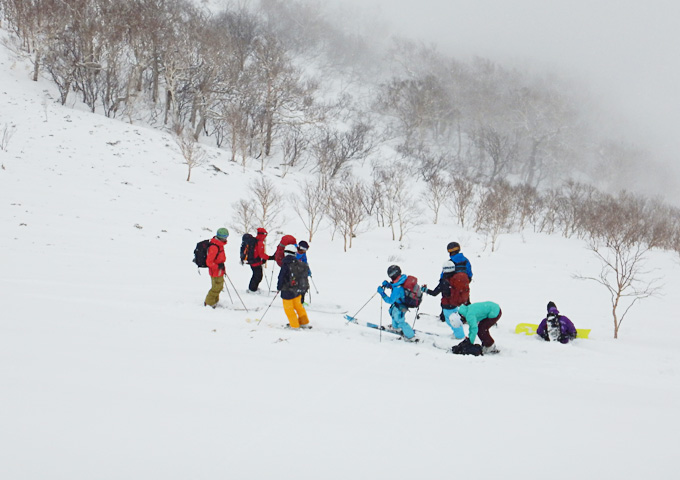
x,y
556,327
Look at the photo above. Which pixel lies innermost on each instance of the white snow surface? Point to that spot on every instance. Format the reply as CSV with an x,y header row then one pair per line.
x,y
112,368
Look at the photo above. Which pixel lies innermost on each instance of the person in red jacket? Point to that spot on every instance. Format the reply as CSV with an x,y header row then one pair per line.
x,y
260,259
215,259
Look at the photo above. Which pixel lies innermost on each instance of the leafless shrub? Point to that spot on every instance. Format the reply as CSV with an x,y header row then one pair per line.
x,y
8,132
310,204
345,208
193,154
494,212
269,203
244,215
435,195
461,198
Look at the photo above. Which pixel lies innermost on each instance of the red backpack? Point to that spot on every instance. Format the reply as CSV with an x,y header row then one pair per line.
x,y
285,240
413,294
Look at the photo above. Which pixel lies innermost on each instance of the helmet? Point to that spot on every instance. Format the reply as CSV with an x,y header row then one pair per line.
x,y
303,246
290,249
453,247
222,233
448,267
393,271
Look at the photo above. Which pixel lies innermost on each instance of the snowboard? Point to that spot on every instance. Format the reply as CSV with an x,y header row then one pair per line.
x,y
530,329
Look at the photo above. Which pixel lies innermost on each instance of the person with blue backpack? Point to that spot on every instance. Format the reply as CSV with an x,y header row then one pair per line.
x,y
396,299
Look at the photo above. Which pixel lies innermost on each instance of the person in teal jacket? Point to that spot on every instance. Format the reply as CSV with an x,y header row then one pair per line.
x,y
480,317
396,299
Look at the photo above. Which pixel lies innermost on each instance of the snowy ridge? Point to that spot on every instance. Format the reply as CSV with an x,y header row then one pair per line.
x,y
111,367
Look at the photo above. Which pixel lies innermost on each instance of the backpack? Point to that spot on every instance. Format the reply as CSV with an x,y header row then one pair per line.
x,y
248,243
413,294
285,240
298,281
467,348
201,253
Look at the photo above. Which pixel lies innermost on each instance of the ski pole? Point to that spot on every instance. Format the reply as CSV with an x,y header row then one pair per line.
x,y
414,320
381,327
317,290
355,315
265,312
228,293
232,286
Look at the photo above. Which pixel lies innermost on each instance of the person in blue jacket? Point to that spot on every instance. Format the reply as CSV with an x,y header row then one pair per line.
x,y
301,255
459,260
396,300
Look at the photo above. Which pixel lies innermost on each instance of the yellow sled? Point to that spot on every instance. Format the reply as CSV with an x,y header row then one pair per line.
x,y
530,329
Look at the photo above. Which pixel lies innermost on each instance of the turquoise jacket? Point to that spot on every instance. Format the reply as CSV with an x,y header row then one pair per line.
x,y
475,313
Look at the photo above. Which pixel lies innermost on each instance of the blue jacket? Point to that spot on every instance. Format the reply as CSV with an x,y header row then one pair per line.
x,y
397,292
303,258
462,264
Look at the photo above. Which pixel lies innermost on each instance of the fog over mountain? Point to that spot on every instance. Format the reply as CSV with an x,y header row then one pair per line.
x,y
624,53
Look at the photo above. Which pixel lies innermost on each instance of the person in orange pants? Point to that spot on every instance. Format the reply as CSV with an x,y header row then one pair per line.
x,y
293,284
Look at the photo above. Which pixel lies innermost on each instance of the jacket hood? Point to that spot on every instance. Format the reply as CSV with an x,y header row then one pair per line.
x,y
400,280
462,310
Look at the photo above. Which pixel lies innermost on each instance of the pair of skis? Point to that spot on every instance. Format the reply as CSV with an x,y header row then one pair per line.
x,y
382,328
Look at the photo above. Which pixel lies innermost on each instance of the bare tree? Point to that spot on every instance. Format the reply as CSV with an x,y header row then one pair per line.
x,y
435,195
309,204
494,212
333,150
461,198
345,208
194,156
622,274
244,215
269,203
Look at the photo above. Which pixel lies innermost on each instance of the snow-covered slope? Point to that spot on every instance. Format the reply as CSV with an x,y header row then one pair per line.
x,y
111,368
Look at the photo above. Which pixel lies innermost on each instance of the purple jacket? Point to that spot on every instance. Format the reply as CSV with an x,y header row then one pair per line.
x,y
567,328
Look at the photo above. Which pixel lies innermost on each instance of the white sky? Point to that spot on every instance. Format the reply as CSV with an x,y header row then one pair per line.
x,y
626,50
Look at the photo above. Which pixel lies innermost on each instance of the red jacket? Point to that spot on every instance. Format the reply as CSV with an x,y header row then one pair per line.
x,y
260,255
215,257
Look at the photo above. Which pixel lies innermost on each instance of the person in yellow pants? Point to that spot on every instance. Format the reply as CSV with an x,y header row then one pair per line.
x,y
292,284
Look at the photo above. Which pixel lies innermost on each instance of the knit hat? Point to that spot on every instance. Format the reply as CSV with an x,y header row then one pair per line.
x,y
222,233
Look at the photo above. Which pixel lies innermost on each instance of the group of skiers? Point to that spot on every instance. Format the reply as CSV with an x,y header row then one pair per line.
x,y
292,281
453,286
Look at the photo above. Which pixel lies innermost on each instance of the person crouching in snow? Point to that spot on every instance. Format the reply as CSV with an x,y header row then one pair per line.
x,y
556,327
452,296
293,284
480,317
214,260
396,300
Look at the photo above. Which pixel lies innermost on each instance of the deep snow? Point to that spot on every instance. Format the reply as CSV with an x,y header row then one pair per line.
x,y
111,368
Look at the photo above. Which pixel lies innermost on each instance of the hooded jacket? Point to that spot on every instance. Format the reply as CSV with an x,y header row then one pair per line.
x,y
397,295
216,257
567,328
260,255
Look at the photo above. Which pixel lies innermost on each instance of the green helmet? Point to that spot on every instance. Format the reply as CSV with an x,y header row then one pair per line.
x,y
222,233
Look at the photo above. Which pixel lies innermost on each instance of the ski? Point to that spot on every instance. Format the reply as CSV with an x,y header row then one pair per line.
x,y
383,328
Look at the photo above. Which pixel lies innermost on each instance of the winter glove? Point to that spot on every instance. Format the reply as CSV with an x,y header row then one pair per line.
x,y
221,266
271,257
385,283
381,290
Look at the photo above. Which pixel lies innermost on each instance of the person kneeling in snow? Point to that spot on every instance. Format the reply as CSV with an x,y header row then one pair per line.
x,y
396,299
293,284
480,317
556,327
